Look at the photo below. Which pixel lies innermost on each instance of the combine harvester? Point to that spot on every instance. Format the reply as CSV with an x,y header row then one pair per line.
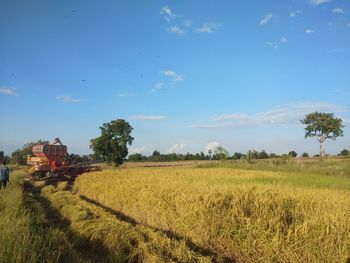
x,y
53,161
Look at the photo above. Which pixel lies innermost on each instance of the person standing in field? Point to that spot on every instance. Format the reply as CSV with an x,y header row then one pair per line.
x,y
4,175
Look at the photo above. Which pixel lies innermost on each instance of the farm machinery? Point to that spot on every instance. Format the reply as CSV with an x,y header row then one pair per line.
x,y
53,161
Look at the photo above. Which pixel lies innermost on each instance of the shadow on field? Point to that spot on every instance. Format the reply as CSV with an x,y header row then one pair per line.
x,y
170,234
47,217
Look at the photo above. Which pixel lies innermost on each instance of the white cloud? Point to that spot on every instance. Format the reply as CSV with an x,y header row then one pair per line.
x,y
338,10
283,114
208,28
157,87
9,91
349,25
318,2
69,99
188,23
295,13
176,148
142,149
275,44
147,117
309,31
272,44
336,50
173,75
266,19
125,94
167,13
176,30
211,146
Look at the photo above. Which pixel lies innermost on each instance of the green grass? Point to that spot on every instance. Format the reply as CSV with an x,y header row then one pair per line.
x,y
305,166
22,236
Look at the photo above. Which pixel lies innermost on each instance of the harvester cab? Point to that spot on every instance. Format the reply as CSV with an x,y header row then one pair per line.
x,y
53,160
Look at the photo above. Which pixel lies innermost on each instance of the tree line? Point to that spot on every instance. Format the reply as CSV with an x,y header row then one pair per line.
x,y
111,145
20,156
156,156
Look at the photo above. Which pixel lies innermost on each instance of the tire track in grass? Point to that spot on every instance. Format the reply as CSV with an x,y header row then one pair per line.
x,y
168,233
126,240
50,218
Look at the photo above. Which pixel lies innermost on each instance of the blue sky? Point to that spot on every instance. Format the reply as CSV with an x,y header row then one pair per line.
x,y
187,75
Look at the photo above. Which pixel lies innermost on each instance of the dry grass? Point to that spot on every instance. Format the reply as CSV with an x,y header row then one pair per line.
x,y
182,214
248,216
120,241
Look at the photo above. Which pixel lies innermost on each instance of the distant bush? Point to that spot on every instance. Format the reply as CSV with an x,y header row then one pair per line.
x,y
293,154
345,152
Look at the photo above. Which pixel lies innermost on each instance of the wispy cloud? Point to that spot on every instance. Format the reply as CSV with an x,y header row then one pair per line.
x,y
276,44
284,114
309,31
69,99
208,28
176,148
167,13
349,24
188,23
173,75
211,146
176,30
295,13
147,117
338,10
266,19
9,91
272,44
337,50
157,87
125,94
319,2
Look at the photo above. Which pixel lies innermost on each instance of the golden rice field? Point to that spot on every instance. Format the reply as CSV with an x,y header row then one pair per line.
x,y
231,214
181,214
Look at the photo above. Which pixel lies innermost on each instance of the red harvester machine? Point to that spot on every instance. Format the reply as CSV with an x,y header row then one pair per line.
x,y
53,160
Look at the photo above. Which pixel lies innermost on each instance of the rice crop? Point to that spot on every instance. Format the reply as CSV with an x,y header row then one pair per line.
x,y
240,215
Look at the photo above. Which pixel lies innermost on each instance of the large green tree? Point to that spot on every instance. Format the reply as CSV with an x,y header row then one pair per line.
x,y
112,144
323,126
220,153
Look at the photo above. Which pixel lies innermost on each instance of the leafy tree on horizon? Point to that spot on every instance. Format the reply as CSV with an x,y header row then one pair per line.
x,y
209,153
263,155
237,156
221,153
305,154
112,144
323,126
345,152
293,154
